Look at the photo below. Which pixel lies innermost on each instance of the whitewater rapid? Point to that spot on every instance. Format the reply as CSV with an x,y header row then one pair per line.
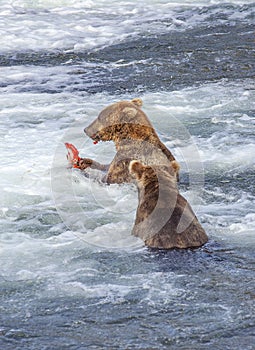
x,y
72,276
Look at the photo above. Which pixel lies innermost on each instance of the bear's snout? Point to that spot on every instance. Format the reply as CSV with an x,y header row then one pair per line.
x,y
90,132
93,129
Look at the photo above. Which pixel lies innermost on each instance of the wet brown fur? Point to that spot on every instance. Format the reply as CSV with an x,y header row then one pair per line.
x,y
128,127
164,219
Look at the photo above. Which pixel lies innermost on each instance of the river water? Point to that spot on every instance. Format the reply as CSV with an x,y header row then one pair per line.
x,y
72,276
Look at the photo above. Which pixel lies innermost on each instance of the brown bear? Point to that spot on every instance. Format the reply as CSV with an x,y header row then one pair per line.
x,y
128,127
164,219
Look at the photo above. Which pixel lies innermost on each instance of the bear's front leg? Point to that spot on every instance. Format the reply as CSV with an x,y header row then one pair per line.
x,y
82,163
85,163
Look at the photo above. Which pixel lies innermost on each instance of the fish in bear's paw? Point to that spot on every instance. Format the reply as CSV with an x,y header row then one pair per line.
x,y
129,128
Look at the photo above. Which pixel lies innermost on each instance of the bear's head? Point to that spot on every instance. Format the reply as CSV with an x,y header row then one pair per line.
x,y
123,120
144,174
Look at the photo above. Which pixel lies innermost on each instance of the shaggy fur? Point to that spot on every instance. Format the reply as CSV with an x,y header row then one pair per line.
x,y
164,219
128,127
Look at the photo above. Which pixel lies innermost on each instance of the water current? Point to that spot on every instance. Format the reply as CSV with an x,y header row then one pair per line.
x,y
72,276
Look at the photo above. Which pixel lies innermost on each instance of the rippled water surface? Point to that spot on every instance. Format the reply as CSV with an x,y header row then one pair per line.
x,y
72,276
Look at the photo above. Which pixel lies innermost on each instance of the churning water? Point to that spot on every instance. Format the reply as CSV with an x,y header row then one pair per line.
x,y
72,276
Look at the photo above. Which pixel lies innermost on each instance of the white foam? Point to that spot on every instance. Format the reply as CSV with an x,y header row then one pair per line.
x,y
83,25
224,105
35,127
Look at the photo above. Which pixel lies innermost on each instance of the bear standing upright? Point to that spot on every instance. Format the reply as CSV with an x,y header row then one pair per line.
x,y
164,218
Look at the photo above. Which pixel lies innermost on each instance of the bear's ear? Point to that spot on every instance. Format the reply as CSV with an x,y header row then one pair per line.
x,y
137,101
136,169
175,165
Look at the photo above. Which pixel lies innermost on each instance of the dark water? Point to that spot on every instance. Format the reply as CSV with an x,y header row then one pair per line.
x,y
189,300
217,49
58,292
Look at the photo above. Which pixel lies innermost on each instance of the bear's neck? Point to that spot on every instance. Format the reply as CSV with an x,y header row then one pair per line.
x,y
128,131
131,136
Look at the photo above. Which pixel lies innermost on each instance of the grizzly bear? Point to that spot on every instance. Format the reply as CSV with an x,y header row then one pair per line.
x,y
128,127
164,219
